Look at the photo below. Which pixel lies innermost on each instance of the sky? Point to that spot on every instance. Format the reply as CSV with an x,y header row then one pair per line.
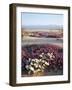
x,y
41,19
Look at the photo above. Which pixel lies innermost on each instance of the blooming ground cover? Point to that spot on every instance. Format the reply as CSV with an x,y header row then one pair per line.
x,y
41,60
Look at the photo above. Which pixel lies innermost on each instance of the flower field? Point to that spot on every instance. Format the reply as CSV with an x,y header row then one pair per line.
x,y
42,60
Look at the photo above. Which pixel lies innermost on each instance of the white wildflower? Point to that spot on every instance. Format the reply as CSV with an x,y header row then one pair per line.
x,y
42,67
36,65
31,68
39,66
36,60
41,55
27,67
29,59
43,61
40,60
31,63
51,55
33,59
46,63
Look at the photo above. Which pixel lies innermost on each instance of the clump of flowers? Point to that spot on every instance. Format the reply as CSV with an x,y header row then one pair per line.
x,y
38,65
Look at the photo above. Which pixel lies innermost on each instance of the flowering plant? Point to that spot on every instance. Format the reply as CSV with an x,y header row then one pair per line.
x,y
38,65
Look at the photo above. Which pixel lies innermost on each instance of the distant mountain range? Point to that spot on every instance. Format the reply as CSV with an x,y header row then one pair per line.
x,y
51,27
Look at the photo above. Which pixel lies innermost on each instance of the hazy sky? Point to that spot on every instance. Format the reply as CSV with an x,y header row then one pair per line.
x,y
36,19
